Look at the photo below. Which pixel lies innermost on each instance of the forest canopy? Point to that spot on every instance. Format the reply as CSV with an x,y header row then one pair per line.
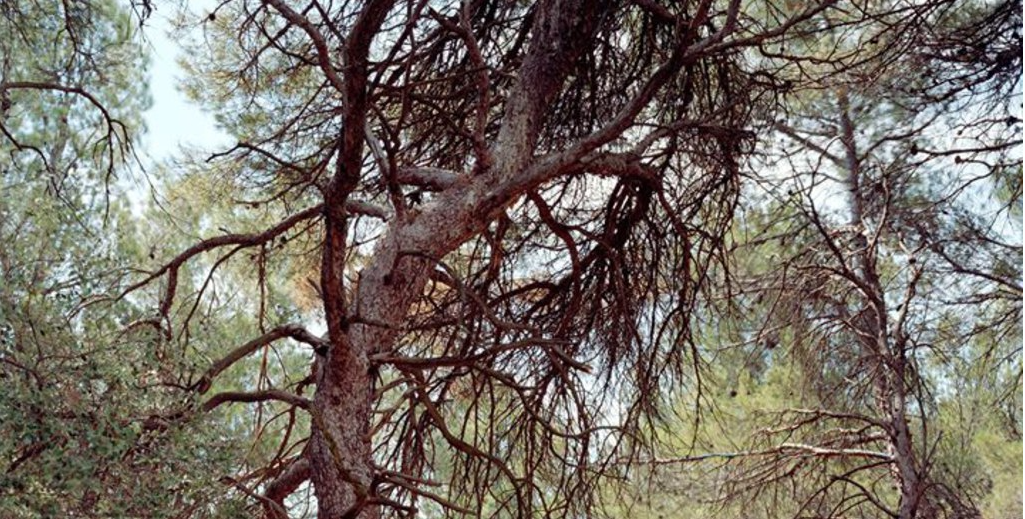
x,y
505,258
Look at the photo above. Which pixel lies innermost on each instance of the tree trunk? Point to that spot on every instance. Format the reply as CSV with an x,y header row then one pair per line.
x,y
888,360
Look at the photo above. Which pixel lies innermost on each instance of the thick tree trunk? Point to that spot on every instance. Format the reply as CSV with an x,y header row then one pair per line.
x,y
340,449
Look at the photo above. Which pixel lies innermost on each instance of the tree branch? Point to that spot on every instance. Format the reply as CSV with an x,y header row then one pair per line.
x,y
319,43
295,474
291,330
255,396
244,240
433,179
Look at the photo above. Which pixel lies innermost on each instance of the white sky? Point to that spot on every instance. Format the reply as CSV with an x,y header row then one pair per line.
x,y
173,121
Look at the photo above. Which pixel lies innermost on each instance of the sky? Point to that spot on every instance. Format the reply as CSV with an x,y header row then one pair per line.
x,y
173,121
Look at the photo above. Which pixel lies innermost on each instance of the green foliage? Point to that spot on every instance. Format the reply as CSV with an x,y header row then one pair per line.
x,y
83,430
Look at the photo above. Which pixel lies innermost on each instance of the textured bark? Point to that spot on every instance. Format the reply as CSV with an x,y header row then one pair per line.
x,y
294,474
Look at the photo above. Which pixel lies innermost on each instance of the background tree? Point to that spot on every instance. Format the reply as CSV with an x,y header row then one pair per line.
x,y
892,285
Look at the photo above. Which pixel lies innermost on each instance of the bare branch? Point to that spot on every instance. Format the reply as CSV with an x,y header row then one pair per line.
x,y
243,240
266,395
293,331
435,179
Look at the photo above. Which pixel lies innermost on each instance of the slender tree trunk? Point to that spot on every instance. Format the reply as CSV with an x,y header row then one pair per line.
x,y
887,359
